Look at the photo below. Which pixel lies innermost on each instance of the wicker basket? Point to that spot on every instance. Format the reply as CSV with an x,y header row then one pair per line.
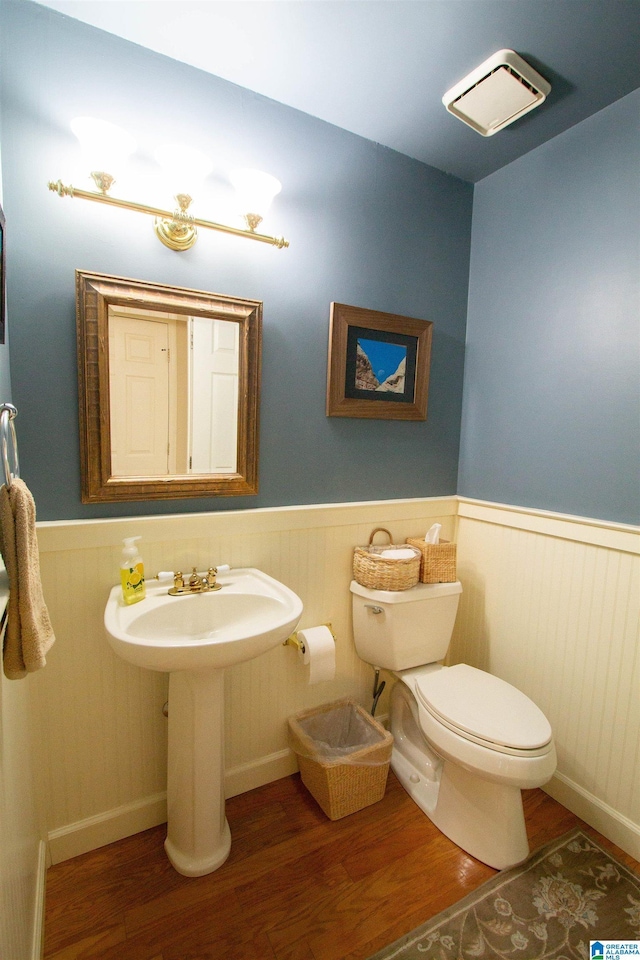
x,y
438,563
340,788
372,570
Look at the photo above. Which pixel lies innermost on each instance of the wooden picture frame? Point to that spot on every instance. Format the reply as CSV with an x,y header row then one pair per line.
x,y
3,279
400,350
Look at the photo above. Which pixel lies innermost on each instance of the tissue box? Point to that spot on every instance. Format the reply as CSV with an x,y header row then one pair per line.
x,y
438,564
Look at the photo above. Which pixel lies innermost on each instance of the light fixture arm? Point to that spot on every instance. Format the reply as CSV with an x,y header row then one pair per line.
x,y
163,215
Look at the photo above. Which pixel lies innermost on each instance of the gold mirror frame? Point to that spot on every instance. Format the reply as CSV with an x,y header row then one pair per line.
x,y
94,294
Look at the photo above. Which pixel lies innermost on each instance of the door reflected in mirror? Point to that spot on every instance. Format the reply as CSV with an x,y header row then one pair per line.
x,y
169,382
173,386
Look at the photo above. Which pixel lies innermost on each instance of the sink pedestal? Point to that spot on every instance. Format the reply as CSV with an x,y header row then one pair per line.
x,y
198,838
193,638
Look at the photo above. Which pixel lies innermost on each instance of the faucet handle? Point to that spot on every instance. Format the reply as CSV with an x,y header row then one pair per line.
x,y
178,581
211,576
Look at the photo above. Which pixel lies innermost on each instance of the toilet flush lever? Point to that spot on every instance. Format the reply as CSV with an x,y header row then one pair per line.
x,y
373,608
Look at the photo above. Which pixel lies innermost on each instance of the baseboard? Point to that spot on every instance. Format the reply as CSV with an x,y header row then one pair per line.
x,y
603,818
85,835
37,945
248,776
124,821
106,827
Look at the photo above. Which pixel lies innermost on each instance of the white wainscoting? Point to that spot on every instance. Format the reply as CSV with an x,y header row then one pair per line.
x,y
551,604
22,852
99,732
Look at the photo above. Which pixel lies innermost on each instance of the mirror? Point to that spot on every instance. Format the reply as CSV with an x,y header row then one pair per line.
x,y
169,384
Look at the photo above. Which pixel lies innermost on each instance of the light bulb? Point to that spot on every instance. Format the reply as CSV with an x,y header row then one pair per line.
x,y
105,147
256,191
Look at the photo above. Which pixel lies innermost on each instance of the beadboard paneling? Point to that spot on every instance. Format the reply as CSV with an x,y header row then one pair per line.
x,y
551,605
22,860
99,730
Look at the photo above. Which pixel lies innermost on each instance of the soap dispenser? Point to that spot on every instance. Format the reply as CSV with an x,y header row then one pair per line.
x,y
132,572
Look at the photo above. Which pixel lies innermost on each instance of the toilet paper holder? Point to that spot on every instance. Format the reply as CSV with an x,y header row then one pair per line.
x,y
295,641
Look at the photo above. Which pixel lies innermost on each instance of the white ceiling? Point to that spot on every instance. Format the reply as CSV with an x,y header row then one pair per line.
x,y
379,68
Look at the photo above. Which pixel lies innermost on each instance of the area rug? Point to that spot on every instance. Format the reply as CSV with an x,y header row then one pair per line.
x,y
549,908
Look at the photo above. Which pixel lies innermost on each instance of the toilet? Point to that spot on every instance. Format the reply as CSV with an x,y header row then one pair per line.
x,y
465,742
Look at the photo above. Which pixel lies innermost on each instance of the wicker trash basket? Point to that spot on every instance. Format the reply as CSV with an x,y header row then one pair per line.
x,y
343,755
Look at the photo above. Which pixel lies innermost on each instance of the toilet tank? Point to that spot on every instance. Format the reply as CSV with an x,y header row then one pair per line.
x,y
400,629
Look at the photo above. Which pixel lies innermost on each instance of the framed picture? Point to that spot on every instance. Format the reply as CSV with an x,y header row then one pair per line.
x,y
3,279
378,364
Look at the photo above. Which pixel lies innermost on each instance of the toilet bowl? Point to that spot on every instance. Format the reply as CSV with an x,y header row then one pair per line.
x,y
465,742
467,783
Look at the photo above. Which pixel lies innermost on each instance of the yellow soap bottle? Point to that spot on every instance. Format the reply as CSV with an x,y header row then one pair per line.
x,y
132,572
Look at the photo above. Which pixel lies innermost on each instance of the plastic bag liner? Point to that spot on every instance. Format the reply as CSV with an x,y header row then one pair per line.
x,y
342,733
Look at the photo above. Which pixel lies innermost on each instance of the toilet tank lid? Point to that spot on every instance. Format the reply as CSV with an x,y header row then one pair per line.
x,y
484,706
421,591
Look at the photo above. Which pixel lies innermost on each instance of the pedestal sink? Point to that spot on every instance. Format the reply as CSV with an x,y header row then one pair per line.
x,y
194,637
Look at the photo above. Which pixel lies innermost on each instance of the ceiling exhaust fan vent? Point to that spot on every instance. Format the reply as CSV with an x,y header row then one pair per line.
x,y
495,94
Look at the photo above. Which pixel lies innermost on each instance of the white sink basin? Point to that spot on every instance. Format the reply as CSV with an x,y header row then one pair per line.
x,y
194,637
250,614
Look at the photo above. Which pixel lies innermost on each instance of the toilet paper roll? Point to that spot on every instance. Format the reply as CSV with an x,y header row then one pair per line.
x,y
319,653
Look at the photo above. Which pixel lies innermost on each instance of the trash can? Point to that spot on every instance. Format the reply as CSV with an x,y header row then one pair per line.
x,y
343,755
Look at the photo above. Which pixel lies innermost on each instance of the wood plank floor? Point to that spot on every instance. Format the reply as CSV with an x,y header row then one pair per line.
x,y
296,886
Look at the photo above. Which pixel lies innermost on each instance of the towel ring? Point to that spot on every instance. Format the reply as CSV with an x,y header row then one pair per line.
x,y
8,442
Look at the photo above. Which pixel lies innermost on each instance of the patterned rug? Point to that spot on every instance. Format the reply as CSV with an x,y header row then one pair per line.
x,y
549,908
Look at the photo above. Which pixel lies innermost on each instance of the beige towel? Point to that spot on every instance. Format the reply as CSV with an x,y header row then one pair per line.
x,y
29,633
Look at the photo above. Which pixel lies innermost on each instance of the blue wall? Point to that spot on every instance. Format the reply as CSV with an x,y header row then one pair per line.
x,y
551,408
5,372
367,226
551,414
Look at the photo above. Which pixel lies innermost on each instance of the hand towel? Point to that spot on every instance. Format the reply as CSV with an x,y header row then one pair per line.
x,y
29,633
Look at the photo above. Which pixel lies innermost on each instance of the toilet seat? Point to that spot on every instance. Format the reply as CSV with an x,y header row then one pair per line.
x,y
484,709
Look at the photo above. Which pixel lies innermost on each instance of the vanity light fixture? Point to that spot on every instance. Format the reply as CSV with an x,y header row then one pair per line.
x,y
105,149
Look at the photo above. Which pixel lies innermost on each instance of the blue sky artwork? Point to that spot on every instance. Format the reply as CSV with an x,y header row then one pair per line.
x,y
383,357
